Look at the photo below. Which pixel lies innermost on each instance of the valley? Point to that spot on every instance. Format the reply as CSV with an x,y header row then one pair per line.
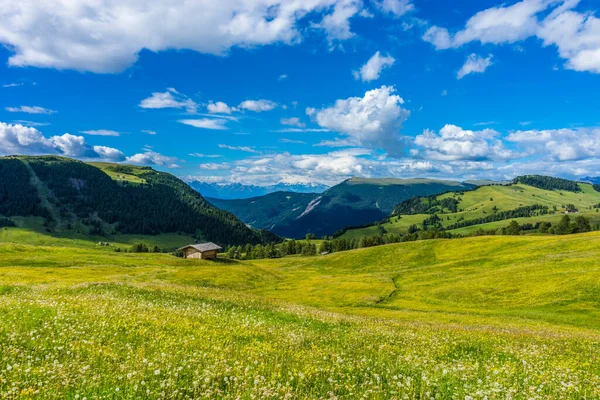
x,y
353,202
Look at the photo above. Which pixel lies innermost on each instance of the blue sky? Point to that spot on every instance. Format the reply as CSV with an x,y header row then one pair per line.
x,y
269,91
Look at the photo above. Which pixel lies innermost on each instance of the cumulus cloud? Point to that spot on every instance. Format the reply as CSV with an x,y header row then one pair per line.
x,y
454,143
206,123
169,99
149,132
153,158
372,69
474,65
329,168
19,139
395,7
337,23
30,110
372,121
218,108
258,105
576,35
109,153
560,144
106,36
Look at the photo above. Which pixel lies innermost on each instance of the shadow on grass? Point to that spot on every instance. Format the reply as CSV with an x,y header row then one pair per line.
x,y
224,261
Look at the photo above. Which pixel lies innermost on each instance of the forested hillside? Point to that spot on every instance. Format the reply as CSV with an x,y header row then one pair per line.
x,y
109,199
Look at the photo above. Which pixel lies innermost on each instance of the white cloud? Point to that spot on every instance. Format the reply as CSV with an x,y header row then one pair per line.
x,y
372,121
294,121
169,99
106,36
504,24
153,158
337,23
30,110
30,123
19,139
337,142
11,85
298,130
215,166
329,168
454,143
218,108
206,123
372,69
444,93
576,35
474,65
149,132
560,144
291,141
200,155
101,132
239,148
109,154
396,7
258,105
282,77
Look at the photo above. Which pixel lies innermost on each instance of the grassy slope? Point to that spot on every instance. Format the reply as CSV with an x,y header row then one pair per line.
x,y
113,170
478,204
30,231
467,317
475,317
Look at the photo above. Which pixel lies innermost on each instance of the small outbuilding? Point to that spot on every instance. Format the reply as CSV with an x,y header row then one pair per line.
x,y
203,251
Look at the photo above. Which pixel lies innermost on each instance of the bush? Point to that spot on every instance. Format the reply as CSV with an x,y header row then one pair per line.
x,y
139,248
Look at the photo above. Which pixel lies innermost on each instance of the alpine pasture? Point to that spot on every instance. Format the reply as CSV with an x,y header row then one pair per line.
x,y
474,318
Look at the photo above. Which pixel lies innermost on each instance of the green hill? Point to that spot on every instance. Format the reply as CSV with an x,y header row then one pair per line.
x,y
353,202
466,318
74,198
492,207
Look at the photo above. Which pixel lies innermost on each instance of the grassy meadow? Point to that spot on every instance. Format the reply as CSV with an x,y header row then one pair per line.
x,y
480,203
486,317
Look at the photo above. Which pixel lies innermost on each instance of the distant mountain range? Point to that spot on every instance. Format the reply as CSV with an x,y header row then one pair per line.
x,y
353,202
239,191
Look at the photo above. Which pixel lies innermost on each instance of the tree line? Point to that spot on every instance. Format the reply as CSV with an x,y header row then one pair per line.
x,y
548,183
565,226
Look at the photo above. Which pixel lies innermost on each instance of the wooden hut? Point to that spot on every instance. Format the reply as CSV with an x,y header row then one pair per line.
x,y
203,251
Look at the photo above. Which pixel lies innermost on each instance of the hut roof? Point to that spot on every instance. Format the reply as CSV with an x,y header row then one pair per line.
x,y
203,247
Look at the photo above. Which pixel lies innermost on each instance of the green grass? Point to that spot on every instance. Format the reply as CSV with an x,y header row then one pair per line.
x,y
30,231
480,203
111,169
482,317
